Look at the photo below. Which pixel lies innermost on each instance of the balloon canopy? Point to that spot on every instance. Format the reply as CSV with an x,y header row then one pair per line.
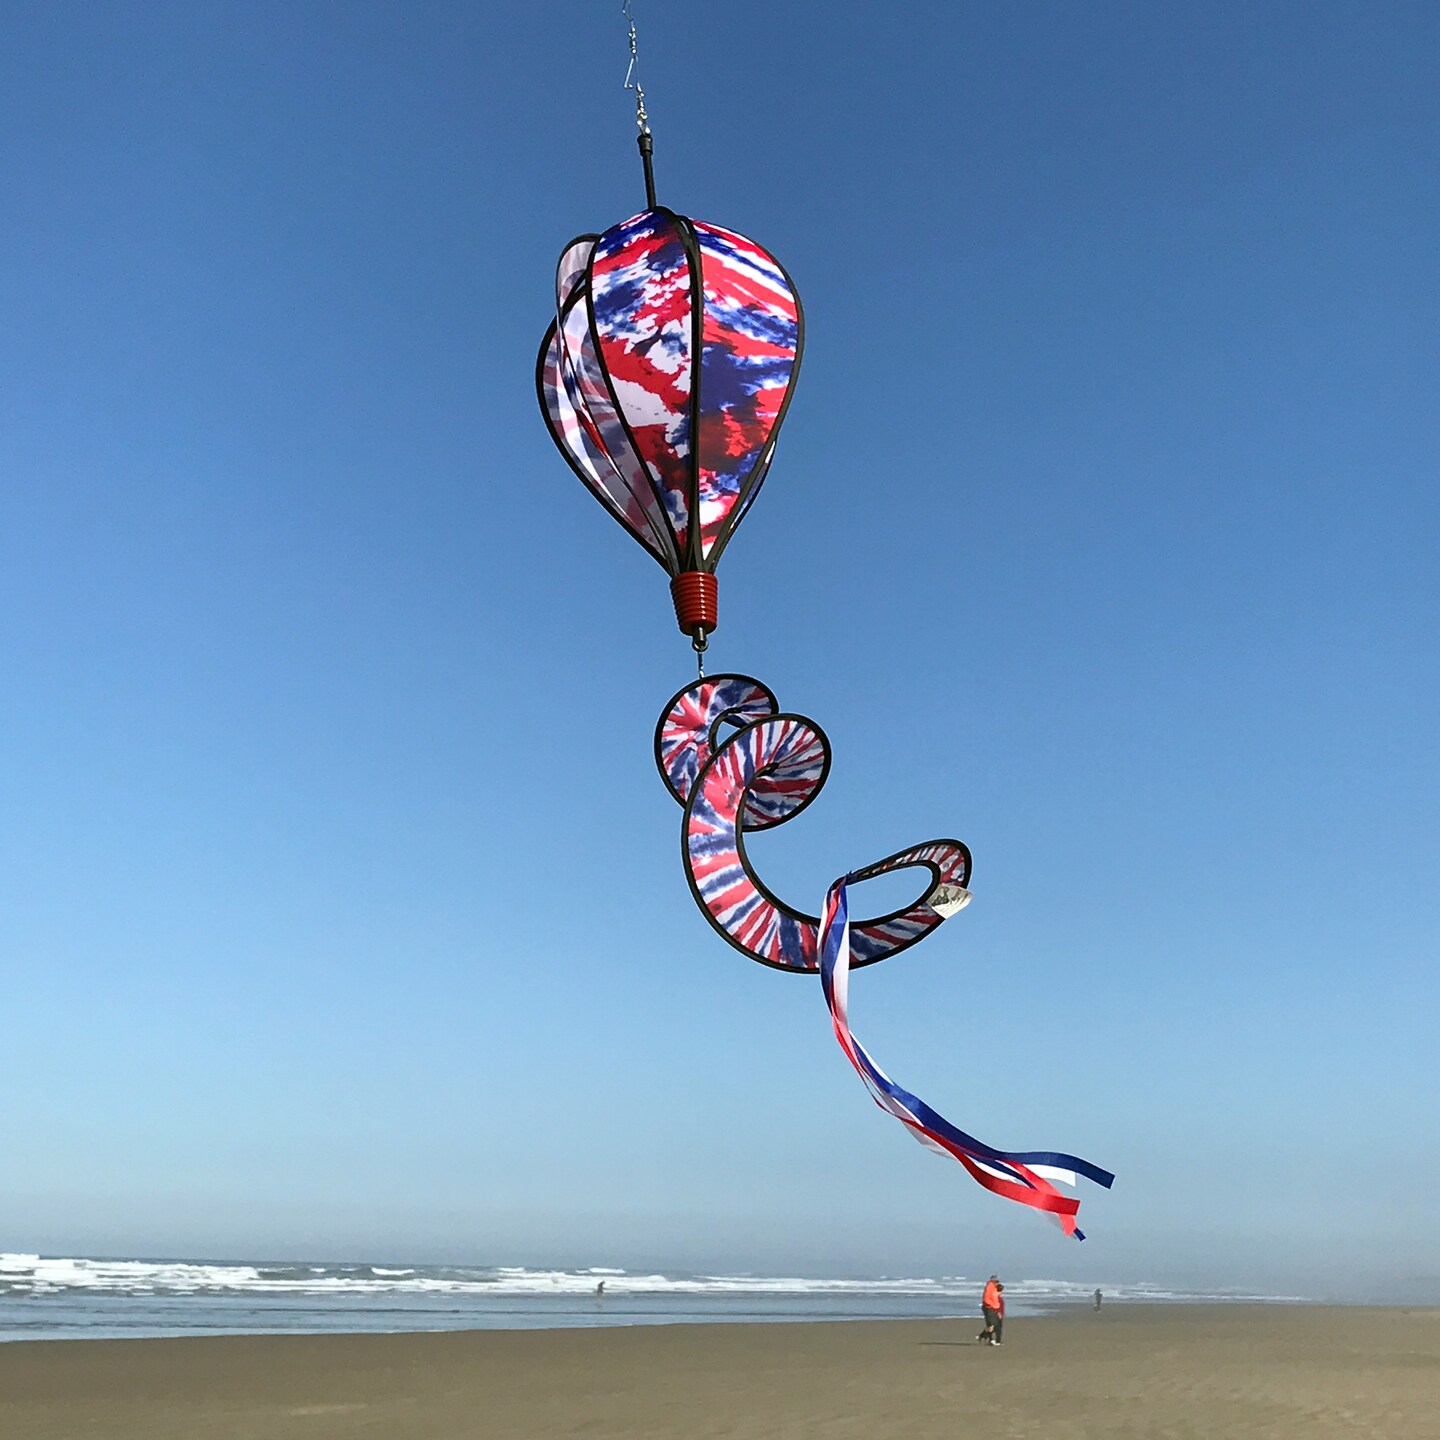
x,y
664,379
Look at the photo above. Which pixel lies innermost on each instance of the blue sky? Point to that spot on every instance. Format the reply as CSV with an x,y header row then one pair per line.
x,y
341,911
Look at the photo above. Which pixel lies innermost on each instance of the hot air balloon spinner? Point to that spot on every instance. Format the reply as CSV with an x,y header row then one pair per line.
x,y
664,379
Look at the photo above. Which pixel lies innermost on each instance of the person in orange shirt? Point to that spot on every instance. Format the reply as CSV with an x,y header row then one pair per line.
x,y
992,1305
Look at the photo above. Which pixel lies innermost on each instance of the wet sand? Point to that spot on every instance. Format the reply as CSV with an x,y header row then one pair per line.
x,y
1130,1371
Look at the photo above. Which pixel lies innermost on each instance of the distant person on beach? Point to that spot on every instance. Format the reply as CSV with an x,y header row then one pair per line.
x,y
600,1291
992,1306
1098,1298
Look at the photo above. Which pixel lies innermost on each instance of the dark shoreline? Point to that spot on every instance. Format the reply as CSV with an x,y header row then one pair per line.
x,y
623,1311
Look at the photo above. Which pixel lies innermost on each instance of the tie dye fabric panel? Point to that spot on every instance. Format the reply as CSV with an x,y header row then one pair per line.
x,y
751,338
641,290
582,417
738,765
683,738
667,375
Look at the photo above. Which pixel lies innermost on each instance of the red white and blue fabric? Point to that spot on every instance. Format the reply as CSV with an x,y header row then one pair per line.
x,y
737,763
1024,1176
582,415
666,374
759,775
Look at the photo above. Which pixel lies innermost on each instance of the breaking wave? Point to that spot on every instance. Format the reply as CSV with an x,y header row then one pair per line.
x,y
63,1296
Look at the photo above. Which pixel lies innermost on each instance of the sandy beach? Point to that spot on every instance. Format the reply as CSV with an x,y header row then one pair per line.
x,y
1129,1371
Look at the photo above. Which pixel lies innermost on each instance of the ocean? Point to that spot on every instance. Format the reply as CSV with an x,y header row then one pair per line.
x,y
56,1298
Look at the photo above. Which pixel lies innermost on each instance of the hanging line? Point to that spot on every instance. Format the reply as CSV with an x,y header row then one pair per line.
x,y
645,140
631,80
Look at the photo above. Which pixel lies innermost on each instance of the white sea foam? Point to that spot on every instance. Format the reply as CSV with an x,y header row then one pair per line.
x,y
38,1276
